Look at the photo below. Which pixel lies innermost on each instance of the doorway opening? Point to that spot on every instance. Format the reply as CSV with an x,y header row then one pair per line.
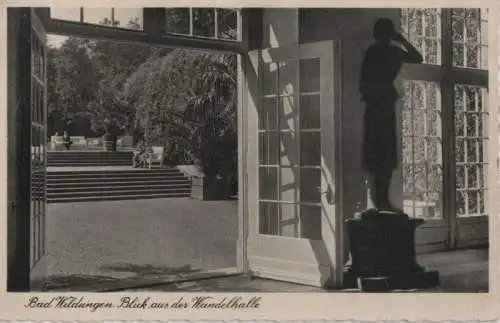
x,y
134,153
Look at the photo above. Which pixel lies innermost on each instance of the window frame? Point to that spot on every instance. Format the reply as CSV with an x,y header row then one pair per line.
x,y
152,32
446,75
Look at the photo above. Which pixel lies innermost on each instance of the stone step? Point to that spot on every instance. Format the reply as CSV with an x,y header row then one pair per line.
x,y
119,191
76,161
106,175
84,182
145,187
116,197
115,181
83,157
92,155
96,164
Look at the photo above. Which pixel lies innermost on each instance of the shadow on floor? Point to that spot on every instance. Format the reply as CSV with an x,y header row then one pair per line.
x,y
133,274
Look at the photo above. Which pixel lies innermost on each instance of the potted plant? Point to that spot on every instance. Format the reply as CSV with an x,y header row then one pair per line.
x,y
217,163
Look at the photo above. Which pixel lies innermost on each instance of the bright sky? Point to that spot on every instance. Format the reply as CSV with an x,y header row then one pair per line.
x,y
90,15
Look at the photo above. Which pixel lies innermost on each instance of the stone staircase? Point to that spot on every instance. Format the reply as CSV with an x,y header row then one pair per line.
x,y
88,158
123,184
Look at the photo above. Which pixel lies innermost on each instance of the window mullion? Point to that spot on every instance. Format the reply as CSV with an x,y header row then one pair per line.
x,y
448,126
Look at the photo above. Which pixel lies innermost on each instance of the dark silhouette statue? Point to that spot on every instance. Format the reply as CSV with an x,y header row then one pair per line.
x,y
381,64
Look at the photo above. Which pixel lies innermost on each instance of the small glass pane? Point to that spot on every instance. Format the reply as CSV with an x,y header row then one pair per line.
x,y
434,123
420,181
227,24
62,13
177,20
431,16
288,184
268,218
310,222
460,150
268,183
100,16
434,150
128,18
287,77
34,101
419,150
310,185
288,220
288,151
471,151
310,75
310,148
310,112
473,27
472,177
458,55
473,56
460,176
41,106
287,111
204,22
473,202
269,148
269,78
418,121
458,30
460,205
268,115
431,51
460,130
36,235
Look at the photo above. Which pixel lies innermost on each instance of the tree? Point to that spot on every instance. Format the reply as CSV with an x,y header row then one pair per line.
x,y
71,78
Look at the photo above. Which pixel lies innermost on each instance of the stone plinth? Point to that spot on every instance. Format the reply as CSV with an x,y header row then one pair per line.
x,y
382,246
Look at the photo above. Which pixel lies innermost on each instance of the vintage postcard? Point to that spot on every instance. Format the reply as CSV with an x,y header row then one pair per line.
x,y
296,160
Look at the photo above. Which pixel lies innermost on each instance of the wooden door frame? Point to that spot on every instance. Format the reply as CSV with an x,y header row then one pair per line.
x,y
19,269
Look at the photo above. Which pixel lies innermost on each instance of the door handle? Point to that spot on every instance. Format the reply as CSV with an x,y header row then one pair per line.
x,y
328,194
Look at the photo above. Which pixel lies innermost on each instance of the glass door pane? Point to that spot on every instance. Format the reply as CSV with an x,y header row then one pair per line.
x,y
290,149
38,151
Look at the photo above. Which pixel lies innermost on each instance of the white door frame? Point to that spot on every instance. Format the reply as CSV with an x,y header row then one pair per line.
x,y
268,266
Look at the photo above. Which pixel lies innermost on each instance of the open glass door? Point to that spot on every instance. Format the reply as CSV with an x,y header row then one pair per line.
x,y
294,216
37,126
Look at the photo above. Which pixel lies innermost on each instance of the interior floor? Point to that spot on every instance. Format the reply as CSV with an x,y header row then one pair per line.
x,y
461,271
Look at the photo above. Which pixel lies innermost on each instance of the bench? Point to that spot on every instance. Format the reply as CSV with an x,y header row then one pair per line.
x,y
56,142
94,143
152,154
80,141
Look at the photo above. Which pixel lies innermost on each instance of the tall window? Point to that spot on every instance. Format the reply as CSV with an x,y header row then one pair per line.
x,y
432,104
422,149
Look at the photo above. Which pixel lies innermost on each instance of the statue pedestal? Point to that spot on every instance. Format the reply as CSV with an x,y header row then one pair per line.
x,y
383,254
